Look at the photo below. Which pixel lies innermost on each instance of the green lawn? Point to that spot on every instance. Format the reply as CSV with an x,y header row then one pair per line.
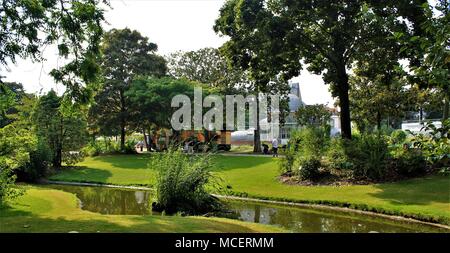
x,y
241,149
48,210
424,198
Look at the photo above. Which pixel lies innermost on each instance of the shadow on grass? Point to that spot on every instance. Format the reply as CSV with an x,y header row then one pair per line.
x,y
123,161
419,191
140,161
22,222
225,163
83,174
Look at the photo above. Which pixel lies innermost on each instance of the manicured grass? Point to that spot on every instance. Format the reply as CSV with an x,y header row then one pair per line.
x,y
425,198
48,210
242,149
116,169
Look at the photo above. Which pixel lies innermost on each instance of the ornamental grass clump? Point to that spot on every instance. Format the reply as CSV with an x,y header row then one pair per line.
x,y
181,183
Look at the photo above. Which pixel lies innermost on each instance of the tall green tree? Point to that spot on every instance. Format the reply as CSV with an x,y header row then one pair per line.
x,y
27,27
317,115
276,37
207,66
61,124
151,99
429,52
210,67
16,140
16,143
372,102
12,95
424,103
7,102
126,54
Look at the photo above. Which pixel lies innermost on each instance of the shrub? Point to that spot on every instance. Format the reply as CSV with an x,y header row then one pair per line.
x,y
15,147
309,168
313,141
336,155
8,191
435,145
286,163
92,149
307,142
398,137
181,183
130,147
409,162
72,157
369,155
40,161
366,156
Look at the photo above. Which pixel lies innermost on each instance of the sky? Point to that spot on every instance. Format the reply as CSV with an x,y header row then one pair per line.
x,y
173,25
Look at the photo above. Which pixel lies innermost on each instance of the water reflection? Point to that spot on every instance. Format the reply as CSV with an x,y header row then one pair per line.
x,y
110,200
121,201
311,220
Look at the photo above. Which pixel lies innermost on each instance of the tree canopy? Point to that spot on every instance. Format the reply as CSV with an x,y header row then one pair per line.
x,y
279,37
125,55
60,124
75,27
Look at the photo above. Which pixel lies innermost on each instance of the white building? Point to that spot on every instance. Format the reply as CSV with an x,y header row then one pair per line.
x,y
417,126
284,132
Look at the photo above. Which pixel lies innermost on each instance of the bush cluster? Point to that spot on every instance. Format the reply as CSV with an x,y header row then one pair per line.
x,y
181,183
73,157
409,162
309,168
40,162
370,156
304,152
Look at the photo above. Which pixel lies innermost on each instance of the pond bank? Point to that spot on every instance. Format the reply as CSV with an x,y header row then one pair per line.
x,y
425,198
44,209
265,201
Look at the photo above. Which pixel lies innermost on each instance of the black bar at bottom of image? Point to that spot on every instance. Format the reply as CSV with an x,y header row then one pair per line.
x,y
226,242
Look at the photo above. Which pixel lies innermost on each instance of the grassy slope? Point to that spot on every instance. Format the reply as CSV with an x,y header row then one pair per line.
x,y
424,198
48,210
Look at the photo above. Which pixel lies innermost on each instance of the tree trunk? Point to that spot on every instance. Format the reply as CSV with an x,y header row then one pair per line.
x,y
257,137
156,136
421,115
150,139
122,136
167,139
123,122
57,161
145,139
446,107
378,120
344,103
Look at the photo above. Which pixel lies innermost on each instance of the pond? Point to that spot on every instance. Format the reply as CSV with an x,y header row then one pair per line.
x,y
298,219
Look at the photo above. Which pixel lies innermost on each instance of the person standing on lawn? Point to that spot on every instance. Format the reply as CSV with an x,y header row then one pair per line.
x,y
275,147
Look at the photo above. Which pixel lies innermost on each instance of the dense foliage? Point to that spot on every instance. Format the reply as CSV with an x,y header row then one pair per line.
x,y
126,54
15,147
275,37
27,27
312,155
181,183
61,125
435,143
207,66
313,115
